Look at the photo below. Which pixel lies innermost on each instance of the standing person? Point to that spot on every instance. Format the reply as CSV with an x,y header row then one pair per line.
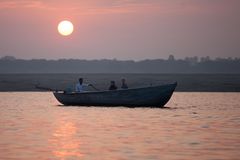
x,y
113,86
80,85
124,84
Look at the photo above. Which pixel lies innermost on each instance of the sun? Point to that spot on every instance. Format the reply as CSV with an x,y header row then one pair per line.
x,y
65,28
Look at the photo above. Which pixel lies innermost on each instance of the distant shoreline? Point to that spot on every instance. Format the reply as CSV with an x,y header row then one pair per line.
x,y
189,65
186,82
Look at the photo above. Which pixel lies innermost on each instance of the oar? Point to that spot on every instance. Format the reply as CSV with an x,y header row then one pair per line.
x,y
44,88
94,87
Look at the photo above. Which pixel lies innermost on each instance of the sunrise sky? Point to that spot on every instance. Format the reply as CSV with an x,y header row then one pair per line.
x,y
122,29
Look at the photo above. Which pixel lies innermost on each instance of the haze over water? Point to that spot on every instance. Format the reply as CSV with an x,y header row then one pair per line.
x,y
122,29
120,36
192,126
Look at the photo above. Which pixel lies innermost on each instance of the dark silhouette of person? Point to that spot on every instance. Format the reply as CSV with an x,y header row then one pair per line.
x,y
113,86
124,84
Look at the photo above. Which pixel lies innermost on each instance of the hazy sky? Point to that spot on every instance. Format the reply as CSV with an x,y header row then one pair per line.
x,y
122,29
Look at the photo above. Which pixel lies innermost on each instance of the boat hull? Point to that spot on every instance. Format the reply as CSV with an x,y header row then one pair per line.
x,y
155,96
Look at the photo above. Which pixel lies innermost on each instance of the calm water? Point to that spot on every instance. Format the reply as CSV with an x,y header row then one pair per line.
x,y
194,126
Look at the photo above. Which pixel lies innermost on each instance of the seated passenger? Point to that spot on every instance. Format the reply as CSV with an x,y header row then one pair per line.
x,y
124,84
113,86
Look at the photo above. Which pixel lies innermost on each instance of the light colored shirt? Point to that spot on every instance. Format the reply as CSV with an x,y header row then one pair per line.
x,y
80,87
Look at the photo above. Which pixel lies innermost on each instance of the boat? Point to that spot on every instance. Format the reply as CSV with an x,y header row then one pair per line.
x,y
152,96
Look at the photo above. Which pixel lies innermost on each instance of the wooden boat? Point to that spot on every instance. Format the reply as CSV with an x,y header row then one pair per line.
x,y
153,96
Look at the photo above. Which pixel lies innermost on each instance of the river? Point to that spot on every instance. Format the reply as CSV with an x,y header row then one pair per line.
x,y
193,125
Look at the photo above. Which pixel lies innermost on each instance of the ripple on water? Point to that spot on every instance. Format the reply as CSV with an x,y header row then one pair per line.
x,y
202,126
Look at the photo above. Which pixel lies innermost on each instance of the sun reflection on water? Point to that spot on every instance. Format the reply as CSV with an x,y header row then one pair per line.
x,y
205,126
65,142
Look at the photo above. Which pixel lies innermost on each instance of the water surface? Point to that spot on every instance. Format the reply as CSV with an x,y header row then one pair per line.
x,y
193,126
186,82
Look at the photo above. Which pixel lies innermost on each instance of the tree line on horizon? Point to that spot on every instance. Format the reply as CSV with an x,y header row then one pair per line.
x,y
10,64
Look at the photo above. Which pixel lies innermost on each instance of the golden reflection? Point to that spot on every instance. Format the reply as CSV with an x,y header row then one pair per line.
x,y
64,141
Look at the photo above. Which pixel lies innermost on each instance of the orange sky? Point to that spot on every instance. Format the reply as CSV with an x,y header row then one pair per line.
x,y
122,29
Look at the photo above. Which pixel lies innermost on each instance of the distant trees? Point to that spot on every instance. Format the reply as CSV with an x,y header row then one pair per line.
x,y
205,59
171,58
192,60
8,58
9,64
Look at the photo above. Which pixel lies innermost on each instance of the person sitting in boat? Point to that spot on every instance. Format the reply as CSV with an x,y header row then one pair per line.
x,y
80,85
124,84
113,86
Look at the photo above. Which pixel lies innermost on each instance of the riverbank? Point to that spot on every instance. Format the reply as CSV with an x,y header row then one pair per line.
x,y
186,82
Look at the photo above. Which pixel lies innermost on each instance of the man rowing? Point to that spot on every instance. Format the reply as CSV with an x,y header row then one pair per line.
x,y
80,86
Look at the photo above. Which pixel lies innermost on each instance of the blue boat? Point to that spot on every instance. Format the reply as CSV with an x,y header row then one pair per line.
x,y
153,96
